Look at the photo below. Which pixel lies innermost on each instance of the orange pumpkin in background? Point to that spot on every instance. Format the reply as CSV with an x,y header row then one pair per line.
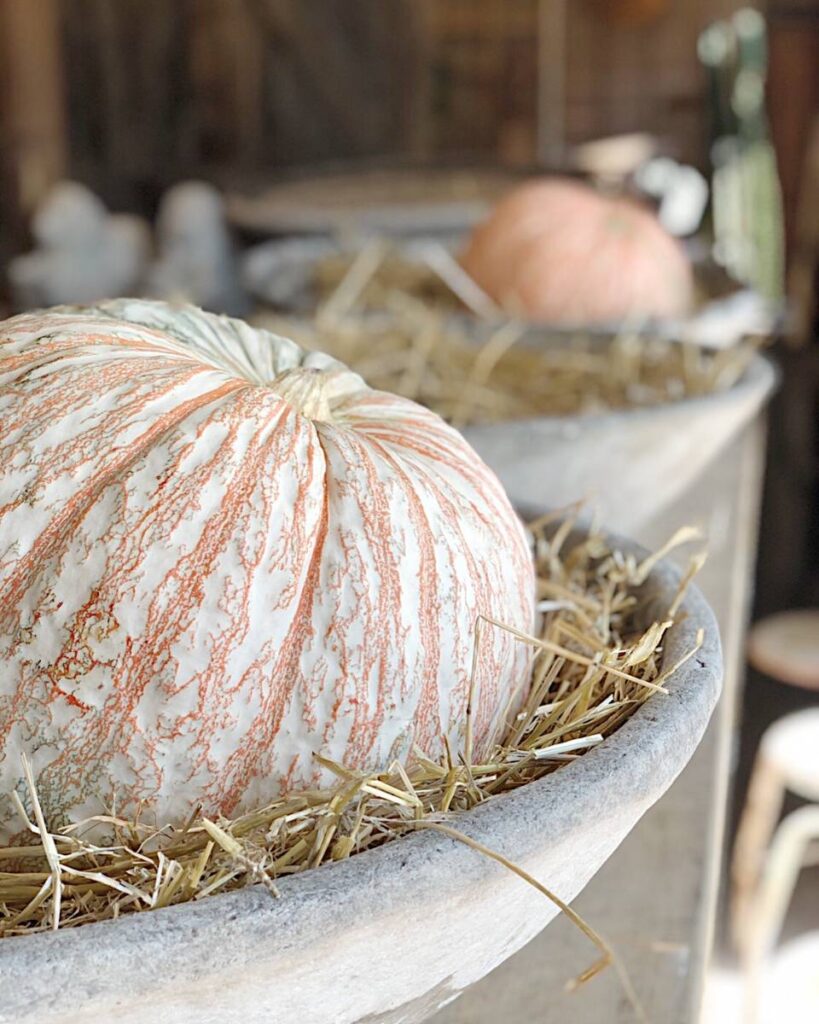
x,y
559,252
221,555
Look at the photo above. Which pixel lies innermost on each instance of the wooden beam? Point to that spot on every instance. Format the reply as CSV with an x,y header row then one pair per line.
x,y
551,104
33,141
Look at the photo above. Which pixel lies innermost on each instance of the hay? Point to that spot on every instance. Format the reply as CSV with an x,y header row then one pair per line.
x,y
368,278
412,347
595,661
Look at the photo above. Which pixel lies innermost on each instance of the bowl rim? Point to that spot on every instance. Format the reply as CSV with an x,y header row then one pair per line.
x,y
757,383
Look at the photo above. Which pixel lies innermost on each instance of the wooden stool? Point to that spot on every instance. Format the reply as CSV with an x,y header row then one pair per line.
x,y
768,857
790,851
786,647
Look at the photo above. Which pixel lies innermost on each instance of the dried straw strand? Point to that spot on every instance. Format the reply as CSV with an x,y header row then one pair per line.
x,y
437,361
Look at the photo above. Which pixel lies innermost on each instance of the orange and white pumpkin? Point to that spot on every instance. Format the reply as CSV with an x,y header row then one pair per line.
x,y
220,554
559,252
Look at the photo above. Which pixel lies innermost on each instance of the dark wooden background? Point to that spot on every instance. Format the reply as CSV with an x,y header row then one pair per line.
x,y
131,95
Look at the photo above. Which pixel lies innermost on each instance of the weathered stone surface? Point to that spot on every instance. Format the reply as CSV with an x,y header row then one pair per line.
x,y
392,934
630,464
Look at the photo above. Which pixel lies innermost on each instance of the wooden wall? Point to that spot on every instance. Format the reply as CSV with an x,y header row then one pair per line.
x,y
236,90
33,138
630,73
163,89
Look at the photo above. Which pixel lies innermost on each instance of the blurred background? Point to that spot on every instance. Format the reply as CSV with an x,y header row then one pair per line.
x,y
312,164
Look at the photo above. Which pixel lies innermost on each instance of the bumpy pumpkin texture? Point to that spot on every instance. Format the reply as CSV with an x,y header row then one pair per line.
x,y
220,554
558,252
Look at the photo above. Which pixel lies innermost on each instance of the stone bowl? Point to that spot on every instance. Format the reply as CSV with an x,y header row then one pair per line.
x,y
630,464
392,934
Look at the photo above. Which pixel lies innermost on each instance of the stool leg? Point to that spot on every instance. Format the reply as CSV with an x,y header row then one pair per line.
x,y
759,817
792,840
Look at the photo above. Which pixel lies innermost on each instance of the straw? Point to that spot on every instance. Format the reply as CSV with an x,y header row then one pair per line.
x,y
595,660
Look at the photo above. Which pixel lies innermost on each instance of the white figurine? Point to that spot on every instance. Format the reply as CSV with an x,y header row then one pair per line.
x,y
196,262
82,253
681,191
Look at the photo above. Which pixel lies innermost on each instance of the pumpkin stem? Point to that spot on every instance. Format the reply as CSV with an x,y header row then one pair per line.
x,y
306,390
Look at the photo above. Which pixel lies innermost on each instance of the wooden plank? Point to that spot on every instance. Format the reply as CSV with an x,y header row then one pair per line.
x,y
341,81
34,138
793,101
639,77
552,28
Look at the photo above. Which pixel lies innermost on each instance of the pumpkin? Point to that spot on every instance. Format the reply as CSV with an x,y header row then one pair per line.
x,y
559,252
220,554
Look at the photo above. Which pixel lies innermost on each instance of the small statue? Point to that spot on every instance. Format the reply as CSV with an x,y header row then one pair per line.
x,y
82,252
196,261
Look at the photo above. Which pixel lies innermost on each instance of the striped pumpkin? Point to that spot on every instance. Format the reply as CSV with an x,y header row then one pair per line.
x,y
220,554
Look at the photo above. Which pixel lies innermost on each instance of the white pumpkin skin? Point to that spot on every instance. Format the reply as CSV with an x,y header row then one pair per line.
x,y
201,586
